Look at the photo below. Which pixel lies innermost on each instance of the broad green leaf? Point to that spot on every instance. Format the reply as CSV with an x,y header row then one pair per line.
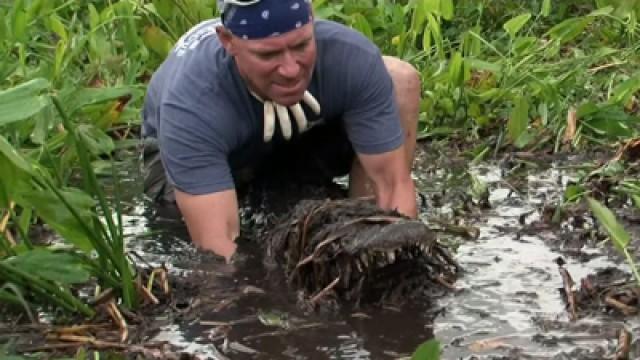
x,y
94,17
514,25
484,65
96,140
569,29
607,10
361,24
456,71
429,350
519,119
15,173
10,153
58,27
623,92
55,266
22,101
164,8
436,33
53,211
607,219
90,96
431,6
24,222
447,9
157,41
426,39
20,24
418,17
573,192
524,45
61,49
524,139
586,109
546,8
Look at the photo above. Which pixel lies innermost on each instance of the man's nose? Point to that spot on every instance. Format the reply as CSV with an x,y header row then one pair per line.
x,y
289,68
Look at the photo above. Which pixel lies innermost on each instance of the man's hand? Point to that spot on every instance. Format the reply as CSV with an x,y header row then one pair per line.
x,y
391,179
212,220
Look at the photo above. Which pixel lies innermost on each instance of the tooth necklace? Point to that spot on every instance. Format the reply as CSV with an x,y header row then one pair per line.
x,y
273,110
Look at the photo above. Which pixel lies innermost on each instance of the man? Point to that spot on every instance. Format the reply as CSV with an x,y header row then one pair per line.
x,y
267,86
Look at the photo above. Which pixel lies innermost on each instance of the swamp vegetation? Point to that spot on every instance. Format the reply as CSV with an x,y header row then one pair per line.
x,y
529,90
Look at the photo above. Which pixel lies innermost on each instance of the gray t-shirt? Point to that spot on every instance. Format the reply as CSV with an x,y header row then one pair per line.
x,y
207,123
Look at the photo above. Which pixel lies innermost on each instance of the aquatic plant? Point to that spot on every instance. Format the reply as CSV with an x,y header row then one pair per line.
x,y
618,235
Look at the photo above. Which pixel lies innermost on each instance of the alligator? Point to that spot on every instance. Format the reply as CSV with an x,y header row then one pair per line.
x,y
351,251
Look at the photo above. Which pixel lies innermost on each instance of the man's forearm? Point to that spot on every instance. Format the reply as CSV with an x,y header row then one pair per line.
x,y
212,220
400,196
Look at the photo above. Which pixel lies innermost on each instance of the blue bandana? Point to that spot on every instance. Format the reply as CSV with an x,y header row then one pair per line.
x,y
266,18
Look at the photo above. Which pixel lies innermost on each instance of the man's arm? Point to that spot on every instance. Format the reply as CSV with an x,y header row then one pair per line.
x,y
391,180
212,220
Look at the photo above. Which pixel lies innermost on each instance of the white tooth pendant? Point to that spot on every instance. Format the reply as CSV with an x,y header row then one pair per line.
x,y
273,111
298,114
284,120
269,121
308,99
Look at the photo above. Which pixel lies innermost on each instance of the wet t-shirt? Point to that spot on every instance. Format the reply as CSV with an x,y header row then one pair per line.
x,y
208,124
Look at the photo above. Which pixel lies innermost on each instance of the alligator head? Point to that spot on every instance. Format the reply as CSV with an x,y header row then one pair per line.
x,y
352,250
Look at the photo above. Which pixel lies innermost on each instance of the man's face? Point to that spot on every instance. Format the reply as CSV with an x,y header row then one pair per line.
x,y
277,68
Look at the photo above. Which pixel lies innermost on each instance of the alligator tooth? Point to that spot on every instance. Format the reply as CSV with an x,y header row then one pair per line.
x,y
358,265
392,257
364,259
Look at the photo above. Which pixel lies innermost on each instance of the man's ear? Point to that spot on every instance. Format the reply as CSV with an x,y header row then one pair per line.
x,y
226,39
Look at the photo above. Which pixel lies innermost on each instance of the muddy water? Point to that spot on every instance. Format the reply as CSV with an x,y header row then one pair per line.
x,y
507,305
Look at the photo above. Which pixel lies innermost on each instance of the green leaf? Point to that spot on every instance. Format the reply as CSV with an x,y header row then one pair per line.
x,y
426,39
96,140
546,8
484,65
429,350
608,220
446,8
623,92
524,139
519,119
361,24
569,29
573,192
49,207
456,70
22,101
13,156
15,172
58,27
514,25
607,10
20,23
431,6
90,96
59,267
436,33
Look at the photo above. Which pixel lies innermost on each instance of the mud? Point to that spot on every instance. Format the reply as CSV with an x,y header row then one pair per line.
x,y
509,303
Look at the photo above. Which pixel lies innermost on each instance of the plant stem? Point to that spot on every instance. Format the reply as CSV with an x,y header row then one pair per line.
x,y
632,264
47,289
